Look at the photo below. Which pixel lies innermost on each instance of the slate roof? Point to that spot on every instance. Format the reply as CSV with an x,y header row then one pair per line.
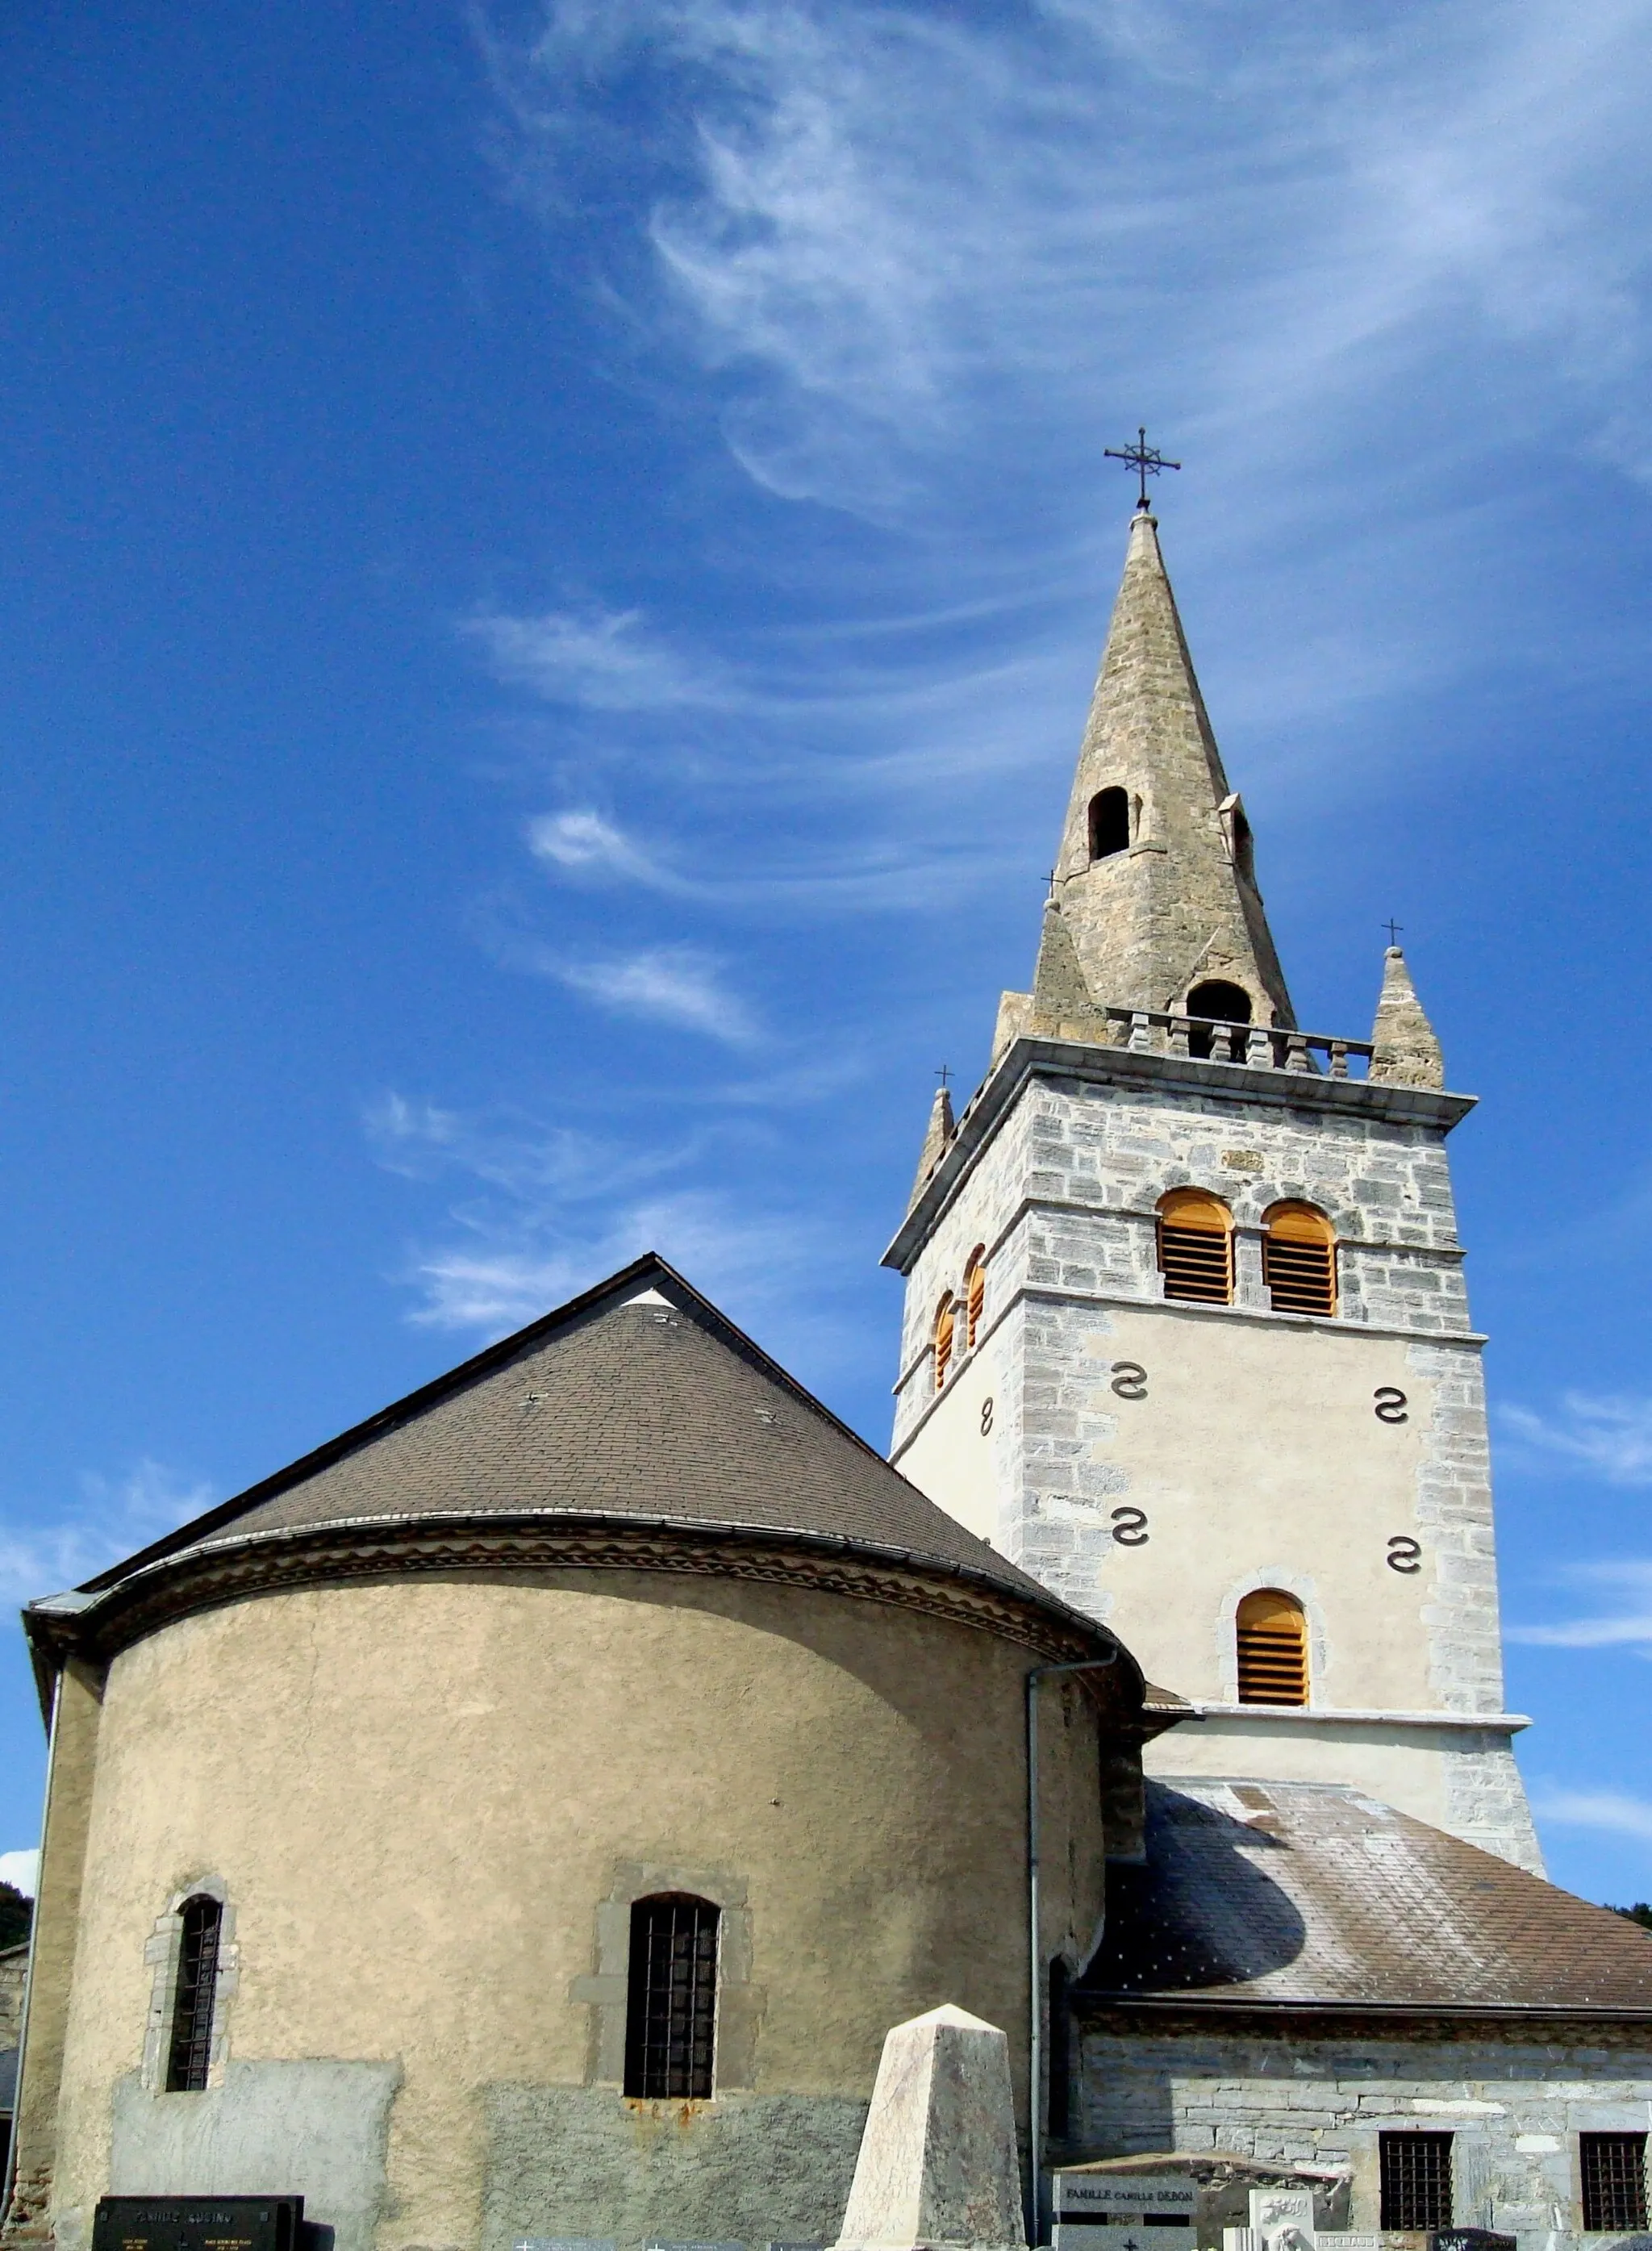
x,y
660,1410
1314,1895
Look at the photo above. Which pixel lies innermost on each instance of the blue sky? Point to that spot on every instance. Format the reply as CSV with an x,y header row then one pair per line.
x,y
554,561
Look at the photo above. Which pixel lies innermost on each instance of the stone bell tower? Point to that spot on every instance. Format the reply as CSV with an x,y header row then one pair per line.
x,y
1185,1332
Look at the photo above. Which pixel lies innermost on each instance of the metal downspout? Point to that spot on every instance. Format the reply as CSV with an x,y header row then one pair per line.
x,y
1035,1967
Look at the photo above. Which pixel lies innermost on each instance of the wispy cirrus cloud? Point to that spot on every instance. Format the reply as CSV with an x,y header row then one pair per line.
x,y
1626,1623
1614,1811
677,984
1606,1436
599,660
44,1551
543,1212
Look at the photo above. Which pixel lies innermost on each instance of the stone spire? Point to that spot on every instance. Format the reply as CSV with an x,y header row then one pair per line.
x,y
1407,1053
1154,880
941,1130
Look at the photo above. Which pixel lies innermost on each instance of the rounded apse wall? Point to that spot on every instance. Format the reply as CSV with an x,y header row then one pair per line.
x,y
427,1805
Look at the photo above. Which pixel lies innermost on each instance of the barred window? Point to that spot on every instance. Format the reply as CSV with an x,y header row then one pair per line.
x,y
1196,1247
671,2002
975,1290
1299,1259
1416,2180
1614,2178
945,1333
189,2055
1272,1634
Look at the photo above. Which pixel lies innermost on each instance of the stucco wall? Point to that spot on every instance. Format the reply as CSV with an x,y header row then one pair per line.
x,y
1514,2111
427,1802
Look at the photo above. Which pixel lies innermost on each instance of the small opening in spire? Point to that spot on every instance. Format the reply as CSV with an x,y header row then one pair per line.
x,y
1218,1000
1109,824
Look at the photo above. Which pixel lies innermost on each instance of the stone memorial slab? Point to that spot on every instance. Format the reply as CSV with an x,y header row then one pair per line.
x,y
1157,2233
938,2165
1349,2239
198,2223
1471,2239
562,2243
1241,2239
1104,2199
1283,2217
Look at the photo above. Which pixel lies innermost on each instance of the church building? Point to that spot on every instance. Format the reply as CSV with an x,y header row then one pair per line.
x,y
514,1825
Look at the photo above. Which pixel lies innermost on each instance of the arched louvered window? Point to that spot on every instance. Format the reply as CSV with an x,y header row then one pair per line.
x,y
945,1333
1109,824
671,2000
190,2055
975,1290
1196,1247
1299,1259
1273,1649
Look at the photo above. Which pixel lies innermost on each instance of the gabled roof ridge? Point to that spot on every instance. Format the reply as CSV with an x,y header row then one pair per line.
x,y
649,1267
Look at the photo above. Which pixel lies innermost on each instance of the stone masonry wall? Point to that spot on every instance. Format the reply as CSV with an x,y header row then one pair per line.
x,y
1514,2111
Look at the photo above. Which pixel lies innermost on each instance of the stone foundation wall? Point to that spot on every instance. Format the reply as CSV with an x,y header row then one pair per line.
x,y
1515,2111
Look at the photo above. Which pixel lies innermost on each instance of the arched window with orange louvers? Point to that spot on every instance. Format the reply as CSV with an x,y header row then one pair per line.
x,y
945,1331
1272,1634
1196,1247
1299,1259
974,1292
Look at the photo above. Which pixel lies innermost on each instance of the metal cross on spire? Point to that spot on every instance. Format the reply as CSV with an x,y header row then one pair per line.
x,y
1145,460
1393,929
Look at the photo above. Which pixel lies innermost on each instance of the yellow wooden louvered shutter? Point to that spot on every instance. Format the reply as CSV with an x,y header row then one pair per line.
x,y
975,1292
1196,1247
1299,1259
1273,1649
945,1328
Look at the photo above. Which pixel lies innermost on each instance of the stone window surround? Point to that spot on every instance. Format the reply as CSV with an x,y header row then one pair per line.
x,y
1302,1588
162,1951
606,1993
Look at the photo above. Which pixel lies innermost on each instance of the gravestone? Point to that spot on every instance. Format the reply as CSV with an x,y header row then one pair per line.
x,y
1124,2212
1283,2217
198,2223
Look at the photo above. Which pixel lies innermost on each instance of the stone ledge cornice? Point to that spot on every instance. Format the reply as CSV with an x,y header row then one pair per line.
x,y
1253,1087
228,1570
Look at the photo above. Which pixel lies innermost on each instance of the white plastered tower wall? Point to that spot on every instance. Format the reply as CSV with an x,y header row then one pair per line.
x,y
1154,1461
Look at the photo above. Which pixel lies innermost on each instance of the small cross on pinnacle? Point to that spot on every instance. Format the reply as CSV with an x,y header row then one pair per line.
x,y
1145,460
1393,929
944,1074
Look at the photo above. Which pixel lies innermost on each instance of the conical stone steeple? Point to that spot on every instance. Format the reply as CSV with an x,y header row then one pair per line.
x,y
1154,879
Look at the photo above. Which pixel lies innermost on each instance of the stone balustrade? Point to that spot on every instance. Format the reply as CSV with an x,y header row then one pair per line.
x,y
1261,1047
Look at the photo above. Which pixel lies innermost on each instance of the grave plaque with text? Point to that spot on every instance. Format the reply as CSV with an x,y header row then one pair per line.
x,y
198,2223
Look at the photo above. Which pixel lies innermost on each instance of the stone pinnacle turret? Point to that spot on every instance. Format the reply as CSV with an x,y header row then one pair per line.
x,y
1154,878
940,1129
1407,1053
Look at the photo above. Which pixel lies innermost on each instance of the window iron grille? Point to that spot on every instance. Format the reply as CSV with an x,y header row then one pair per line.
x,y
190,2056
1613,2171
671,2010
1416,2181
